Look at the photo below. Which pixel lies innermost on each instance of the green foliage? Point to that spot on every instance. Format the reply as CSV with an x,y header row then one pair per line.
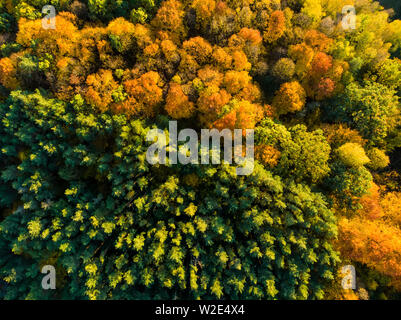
x,y
118,228
8,48
304,155
138,15
6,22
373,109
138,10
389,73
392,4
348,184
104,10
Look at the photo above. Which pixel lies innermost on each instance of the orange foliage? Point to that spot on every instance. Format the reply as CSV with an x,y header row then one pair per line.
x,y
151,50
325,89
276,26
212,100
236,42
169,18
145,95
240,61
321,64
251,35
204,8
250,92
317,40
391,204
221,58
339,134
199,48
177,103
120,26
143,35
374,243
207,77
267,155
244,115
234,81
303,55
100,88
69,16
248,115
222,8
58,41
227,121
268,111
8,73
169,50
125,32
350,295
210,77
370,202
338,69
28,30
188,66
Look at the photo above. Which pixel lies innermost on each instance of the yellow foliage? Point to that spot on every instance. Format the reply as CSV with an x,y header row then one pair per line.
x,y
352,154
313,9
290,98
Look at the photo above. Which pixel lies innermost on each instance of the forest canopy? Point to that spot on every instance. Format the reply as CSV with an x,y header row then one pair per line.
x,y
76,191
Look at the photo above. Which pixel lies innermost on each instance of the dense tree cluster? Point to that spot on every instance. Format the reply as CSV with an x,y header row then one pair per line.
x,y
119,228
77,101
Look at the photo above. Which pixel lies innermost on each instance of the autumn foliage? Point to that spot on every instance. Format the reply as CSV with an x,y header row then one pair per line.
x,y
76,103
374,243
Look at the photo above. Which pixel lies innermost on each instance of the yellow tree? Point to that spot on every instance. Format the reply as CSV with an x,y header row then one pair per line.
x,y
290,98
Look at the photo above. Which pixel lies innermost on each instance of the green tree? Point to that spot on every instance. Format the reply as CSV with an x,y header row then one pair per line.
x,y
117,228
373,109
